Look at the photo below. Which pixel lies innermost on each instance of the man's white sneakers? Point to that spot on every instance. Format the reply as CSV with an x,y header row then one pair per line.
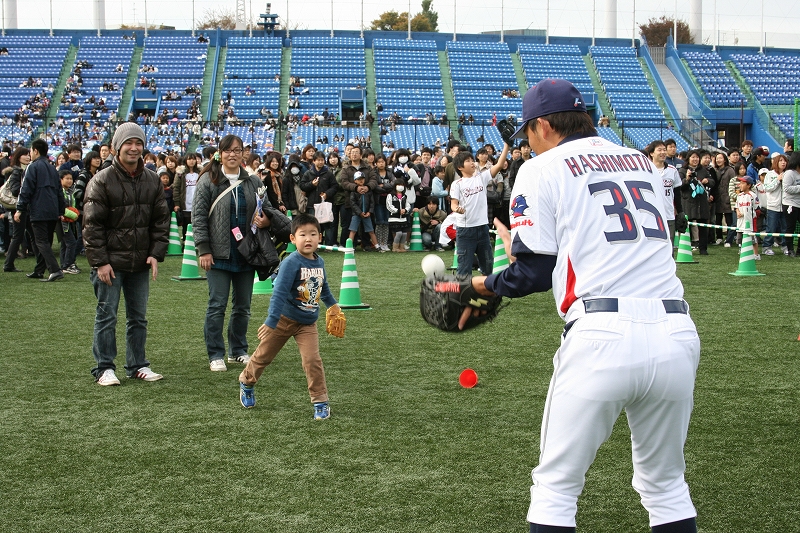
x,y
108,377
218,365
145,374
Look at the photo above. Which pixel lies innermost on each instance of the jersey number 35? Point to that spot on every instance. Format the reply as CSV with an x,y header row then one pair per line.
x,y
629,231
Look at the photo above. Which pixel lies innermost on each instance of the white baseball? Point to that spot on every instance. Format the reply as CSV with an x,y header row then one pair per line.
x,y
432,265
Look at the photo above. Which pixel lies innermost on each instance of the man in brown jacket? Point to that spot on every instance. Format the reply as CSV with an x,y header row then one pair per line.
x,y
126,228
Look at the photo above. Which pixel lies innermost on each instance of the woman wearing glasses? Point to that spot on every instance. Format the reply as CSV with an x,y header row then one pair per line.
x,y
224,207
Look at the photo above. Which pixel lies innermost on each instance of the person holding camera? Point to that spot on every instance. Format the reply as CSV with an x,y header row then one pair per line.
x,y
695,184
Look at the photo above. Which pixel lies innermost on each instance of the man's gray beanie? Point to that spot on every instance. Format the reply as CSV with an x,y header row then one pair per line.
x,y
127,130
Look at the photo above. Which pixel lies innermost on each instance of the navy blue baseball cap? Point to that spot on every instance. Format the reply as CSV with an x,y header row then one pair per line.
x,y
548,97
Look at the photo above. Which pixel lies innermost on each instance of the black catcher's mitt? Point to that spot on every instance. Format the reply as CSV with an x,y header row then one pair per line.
x,y
506,130
442,299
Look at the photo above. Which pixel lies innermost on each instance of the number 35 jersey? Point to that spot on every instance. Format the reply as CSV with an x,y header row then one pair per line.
x,y
599,208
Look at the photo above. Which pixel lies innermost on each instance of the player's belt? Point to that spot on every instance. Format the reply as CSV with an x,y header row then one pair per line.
x,y
611,305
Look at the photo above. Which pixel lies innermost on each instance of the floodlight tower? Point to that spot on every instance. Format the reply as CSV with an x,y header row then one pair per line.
x,y
696,20
610,29
241,16
99,11
9,15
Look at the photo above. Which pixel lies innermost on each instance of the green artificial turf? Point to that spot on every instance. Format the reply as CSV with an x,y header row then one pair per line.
x,y
407,449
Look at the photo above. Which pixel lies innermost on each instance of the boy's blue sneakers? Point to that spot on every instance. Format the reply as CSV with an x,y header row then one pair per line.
x,y
247,396
321,410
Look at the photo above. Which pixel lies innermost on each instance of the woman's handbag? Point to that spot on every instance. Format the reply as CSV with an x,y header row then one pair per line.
x,y
265,248
7,199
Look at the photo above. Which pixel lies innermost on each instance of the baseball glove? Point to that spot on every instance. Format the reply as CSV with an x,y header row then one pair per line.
x,y
506,130
681,224
335,322
442,300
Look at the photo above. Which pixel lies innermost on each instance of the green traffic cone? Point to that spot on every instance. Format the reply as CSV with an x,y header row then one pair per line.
x,y
350,293
174,247
262,287
747,255
416,235
685,249
189,270
501,261
455,257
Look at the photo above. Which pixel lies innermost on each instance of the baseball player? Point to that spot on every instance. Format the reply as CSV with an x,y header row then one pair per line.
x,y
657,151
588,220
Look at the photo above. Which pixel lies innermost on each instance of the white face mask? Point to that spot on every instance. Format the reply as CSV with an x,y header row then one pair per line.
x,y
295,171
400,188
403,160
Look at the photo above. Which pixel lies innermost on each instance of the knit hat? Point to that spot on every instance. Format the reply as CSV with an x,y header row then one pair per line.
x,y
127,130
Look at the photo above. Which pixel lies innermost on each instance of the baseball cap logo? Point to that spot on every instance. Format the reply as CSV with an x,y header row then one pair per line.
x,y
577,102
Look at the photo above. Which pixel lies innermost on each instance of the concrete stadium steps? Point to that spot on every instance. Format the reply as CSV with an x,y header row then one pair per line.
x,y
58,92
449,95
130,83
208,73
372,92
217,94
656,92
602,97
283,99
740,81
520,72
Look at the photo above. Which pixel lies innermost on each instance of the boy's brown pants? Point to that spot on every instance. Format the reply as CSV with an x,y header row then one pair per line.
x,y
307,339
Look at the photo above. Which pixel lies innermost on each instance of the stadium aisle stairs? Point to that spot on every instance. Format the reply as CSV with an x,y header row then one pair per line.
x,y
375,131
130,83
602,97
447,88
695,82
657,93
58,92
205,96
520,72
740,81
217,94
283,99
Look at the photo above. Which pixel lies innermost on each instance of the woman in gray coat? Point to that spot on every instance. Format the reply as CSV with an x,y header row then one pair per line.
x,y
224,208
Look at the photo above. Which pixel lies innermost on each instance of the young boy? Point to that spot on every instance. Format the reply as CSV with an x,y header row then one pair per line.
x,y
168,196
746,204
67,231
363,205
293,311
468,200
430,222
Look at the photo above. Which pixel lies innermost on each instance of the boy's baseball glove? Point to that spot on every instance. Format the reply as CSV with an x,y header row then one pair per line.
x,y
442,300
335,322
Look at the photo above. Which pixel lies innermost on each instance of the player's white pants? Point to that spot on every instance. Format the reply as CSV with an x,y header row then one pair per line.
x,y
640,359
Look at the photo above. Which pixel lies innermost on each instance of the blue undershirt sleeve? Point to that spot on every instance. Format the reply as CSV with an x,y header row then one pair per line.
x,y
528,274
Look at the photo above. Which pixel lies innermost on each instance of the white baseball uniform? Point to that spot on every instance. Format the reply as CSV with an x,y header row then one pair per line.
x,y
629,342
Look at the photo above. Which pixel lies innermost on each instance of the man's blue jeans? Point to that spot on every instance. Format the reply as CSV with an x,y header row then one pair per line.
x,y
470,241
219,287
136,287
775,224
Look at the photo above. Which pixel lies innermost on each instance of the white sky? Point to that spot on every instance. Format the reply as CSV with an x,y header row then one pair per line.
x,y
737,19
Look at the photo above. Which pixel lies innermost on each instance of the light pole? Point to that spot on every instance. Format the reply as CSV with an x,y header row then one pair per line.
x,y
331,18
633,33
192,18
51,18
287,19
547,28
502,5
409,20
594,18
454,19
145,18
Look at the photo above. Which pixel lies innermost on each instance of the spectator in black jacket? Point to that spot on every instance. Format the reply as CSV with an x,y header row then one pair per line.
x,y
41,198
320,185
20,160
